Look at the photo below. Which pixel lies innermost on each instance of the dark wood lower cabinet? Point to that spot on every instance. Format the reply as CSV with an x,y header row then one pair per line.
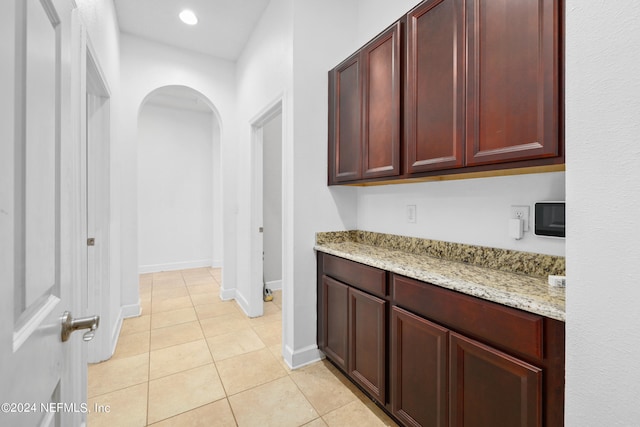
x,y
491,388
446,359
418,370
335,318
442,378
354,332
368,342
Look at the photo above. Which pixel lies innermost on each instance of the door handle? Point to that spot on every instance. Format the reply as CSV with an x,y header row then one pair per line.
x,y
69,324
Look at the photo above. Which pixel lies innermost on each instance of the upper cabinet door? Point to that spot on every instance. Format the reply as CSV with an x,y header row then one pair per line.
x,y
434,113
381,62
512,80
345,121
364,111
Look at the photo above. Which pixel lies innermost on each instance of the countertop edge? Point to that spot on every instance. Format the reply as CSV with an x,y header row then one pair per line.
x,y
520,302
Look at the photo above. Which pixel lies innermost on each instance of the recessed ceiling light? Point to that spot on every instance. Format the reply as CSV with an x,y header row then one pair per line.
x,y
188,17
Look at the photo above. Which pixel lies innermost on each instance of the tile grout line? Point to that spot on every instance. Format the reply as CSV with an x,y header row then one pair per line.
x,y
215,365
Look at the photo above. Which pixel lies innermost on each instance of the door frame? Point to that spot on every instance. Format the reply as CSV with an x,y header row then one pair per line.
x,y
96,296
255,297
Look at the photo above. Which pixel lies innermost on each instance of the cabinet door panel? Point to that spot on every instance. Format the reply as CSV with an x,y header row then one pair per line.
x,y
435,77
512,80
335,318
381,104
491,388
347,135
367,342
418,370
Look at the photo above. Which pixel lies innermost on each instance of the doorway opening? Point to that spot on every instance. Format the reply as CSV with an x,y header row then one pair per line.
x,y
267,209
272,205
179,181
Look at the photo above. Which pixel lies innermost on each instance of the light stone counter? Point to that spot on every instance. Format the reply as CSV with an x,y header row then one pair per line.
x,y
524,292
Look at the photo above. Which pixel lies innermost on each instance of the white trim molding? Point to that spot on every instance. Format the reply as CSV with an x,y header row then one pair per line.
x,y
171,266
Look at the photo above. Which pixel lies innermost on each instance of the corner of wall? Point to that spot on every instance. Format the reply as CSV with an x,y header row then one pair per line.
x,y
300,358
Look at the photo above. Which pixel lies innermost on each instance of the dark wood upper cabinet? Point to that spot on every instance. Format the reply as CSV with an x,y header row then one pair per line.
x,y
434,112
345,121
364,111
512,80
454,86
381,104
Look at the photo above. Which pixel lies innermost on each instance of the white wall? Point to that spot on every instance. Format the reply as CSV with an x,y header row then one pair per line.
x,y
324,35
286,60
376,15
272,202
471,211
603,206
145,67
175,188
264,81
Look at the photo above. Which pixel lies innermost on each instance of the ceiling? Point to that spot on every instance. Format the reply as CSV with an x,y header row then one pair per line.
x,y
223,28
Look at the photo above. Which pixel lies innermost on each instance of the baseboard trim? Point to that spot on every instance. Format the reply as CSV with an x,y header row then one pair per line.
x,y
300,358
274,285
115,333
171,266
242,302
227,294
131,310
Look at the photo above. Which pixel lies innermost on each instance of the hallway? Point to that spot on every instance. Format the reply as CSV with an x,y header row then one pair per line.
x,y
191,359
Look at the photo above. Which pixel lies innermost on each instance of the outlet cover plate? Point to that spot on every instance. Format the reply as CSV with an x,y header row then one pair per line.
x,y
522,212
411,214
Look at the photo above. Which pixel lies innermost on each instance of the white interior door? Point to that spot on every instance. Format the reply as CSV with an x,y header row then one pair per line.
x,y
43,380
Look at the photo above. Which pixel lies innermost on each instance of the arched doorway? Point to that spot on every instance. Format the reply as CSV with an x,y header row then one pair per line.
x,y
179,181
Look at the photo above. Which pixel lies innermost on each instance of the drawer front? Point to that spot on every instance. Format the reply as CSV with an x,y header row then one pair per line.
x,y
492,323
369,279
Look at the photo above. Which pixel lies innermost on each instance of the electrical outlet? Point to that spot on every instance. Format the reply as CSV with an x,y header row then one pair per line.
x,y
411,214
521,212
557,281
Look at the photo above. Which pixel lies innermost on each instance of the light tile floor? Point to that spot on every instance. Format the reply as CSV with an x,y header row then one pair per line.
x,y
191,359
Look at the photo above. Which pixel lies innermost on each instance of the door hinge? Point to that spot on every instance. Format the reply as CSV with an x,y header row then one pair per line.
x,y
91,241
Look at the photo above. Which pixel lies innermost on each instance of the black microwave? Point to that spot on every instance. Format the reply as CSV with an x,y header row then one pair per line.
x,y
549,219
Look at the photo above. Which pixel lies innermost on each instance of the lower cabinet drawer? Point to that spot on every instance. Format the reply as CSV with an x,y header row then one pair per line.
x,y
493,323
363,277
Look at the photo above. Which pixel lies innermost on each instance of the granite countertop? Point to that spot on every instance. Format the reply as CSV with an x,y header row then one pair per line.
x,y
525,292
